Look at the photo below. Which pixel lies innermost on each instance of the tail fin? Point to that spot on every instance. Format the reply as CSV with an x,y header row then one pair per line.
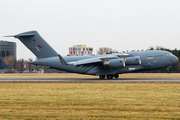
x,y
36,44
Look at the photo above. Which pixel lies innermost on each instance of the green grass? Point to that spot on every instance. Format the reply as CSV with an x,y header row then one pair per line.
x,y
90,101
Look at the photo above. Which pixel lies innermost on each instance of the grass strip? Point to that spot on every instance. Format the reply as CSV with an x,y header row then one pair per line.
x,y
90,101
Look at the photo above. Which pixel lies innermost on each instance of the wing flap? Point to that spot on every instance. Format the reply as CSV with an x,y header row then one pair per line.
x,y
85,61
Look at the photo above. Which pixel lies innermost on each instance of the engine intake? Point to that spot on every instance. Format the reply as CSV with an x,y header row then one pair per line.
x,y
133,60
114,63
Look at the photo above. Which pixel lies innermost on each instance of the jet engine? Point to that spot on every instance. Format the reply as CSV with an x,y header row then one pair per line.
x,y
136,60
114,63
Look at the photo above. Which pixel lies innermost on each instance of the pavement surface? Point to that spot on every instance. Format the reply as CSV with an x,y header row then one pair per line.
x,y
88,80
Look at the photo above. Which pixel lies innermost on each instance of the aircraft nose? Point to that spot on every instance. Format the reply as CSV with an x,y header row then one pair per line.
x,y
176,59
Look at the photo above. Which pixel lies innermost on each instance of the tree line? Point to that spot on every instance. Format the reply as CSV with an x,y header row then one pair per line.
x,y
22,65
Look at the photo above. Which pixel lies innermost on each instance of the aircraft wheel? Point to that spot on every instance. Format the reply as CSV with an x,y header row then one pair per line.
x,y
116,76
168,70
109,76
101,76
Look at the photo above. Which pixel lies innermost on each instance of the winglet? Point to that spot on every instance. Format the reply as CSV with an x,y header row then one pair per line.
x,y
62,60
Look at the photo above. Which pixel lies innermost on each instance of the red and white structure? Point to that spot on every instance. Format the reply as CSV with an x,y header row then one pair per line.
x,y
80,50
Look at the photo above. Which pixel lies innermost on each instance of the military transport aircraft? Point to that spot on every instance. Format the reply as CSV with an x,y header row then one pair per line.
x,y
109,65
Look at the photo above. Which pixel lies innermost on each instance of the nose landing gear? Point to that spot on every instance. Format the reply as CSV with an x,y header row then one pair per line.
x,y
168,69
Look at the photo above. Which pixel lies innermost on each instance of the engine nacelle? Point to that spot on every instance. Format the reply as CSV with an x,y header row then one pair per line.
x,y
114,63
136,60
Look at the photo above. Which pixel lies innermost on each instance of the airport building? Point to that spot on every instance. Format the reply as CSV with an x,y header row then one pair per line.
x,y
80,50
6,49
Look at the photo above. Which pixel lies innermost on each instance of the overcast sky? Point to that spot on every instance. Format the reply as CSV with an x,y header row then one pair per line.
x,y
118,24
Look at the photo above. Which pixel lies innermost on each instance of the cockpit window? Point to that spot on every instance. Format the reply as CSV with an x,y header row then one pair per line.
x,y
168,54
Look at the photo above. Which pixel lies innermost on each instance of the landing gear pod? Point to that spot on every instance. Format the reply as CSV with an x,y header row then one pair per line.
x,y
130,69
133,60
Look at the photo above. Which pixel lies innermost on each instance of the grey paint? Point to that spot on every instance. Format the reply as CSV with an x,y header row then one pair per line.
x,y
34,42
94,65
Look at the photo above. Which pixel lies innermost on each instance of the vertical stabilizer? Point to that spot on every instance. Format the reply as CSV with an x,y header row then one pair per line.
x,y
36,44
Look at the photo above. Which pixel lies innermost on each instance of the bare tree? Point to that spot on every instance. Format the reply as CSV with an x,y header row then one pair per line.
x,y
106,50
9,61
29,65
151,48
160,48
20,65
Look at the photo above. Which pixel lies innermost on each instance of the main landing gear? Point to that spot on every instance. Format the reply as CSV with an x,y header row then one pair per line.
x,y
109,76
101,76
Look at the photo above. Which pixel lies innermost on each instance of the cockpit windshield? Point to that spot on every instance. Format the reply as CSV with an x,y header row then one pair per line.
x,y
168,54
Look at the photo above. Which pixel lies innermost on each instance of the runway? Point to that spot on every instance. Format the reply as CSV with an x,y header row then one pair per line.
x,y
87,80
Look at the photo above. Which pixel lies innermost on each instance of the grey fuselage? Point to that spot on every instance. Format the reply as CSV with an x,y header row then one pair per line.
x,y
150,60
110,64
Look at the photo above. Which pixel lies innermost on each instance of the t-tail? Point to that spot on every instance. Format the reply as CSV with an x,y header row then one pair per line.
x,y
36,44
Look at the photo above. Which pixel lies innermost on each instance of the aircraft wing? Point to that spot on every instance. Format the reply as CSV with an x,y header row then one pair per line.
x,y
85,61
100,59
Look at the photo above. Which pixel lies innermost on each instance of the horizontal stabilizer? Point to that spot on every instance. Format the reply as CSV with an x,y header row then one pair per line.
x,y
21,35
9,36
24,35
